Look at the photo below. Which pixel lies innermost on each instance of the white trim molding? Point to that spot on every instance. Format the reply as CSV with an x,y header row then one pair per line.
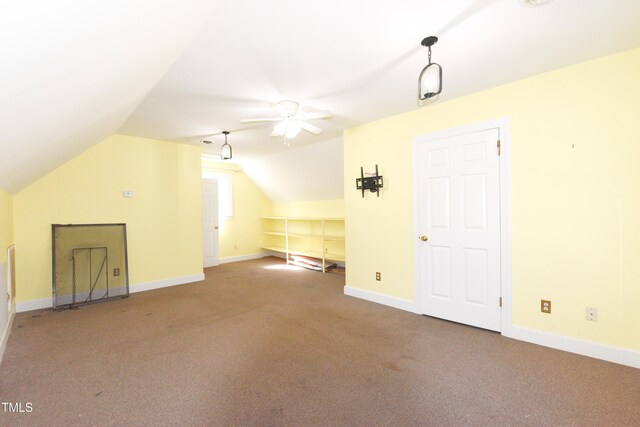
x,y
164,283
574,345
7,330
395,302
238,258
605,352
34,304
138,287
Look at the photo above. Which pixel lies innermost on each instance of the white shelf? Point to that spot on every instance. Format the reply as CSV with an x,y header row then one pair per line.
x,y
334,257
275,233
302,234
275,248
306,236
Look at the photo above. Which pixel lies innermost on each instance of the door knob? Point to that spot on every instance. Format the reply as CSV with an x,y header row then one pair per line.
x,y
424,238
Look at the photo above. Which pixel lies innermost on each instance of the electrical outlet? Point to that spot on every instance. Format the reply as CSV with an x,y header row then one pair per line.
x,y
116,271
378,277
545,306
591,314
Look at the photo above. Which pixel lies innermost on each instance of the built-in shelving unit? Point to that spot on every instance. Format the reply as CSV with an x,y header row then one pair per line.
x,y
321,238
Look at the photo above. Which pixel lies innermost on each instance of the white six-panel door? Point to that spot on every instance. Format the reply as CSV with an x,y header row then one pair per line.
x,y
210,221
458,197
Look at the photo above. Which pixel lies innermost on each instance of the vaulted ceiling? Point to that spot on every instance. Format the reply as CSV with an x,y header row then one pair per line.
x,y
185,70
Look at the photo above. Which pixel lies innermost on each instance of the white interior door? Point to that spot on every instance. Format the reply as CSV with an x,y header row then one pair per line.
x,y
458,202
210,221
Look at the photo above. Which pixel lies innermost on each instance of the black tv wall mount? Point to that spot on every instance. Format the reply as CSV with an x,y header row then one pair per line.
x,y
372,183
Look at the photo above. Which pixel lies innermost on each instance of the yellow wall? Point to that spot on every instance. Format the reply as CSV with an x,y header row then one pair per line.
x,y
310,208
241,234
164,218
6,224
575,138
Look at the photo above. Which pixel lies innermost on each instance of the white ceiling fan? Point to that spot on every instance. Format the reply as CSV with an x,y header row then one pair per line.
x,y
292,120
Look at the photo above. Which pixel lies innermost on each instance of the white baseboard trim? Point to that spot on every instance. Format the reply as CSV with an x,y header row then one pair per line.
x,y
157,284
574,345
34,304
275,254
559,342
7,330
38,304
400,303
237,258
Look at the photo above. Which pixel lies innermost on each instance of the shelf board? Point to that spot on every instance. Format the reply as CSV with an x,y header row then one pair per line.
x,y
334,238
299,218
334,257
304,236
304,252
275,248
275,233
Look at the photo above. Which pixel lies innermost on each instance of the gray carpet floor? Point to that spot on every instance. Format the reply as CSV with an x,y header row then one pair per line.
x,y
257,343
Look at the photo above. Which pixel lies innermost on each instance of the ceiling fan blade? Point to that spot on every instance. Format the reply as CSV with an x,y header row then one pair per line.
x,y
261,120
276,133
316,115
286,108
279,108
279,129
310,128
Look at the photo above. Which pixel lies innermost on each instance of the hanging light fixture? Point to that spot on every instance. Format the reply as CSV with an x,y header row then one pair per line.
x,y
225,150
430,80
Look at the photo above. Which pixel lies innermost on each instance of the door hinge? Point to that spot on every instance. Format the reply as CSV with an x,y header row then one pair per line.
x,y
498,144
500,301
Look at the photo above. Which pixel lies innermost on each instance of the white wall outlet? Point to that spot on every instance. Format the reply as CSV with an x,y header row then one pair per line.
x,y
591,314
127,194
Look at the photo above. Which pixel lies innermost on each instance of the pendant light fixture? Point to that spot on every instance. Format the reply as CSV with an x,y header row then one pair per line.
x,y
225,150
430,80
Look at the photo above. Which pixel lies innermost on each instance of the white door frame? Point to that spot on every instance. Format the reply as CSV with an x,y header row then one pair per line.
x,y
505,210
216,243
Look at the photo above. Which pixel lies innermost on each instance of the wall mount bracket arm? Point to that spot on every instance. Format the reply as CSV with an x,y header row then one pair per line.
x,y
372,183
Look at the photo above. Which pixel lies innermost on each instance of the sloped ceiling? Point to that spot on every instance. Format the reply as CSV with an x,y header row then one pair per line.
x,y
73,71
310,172
80,71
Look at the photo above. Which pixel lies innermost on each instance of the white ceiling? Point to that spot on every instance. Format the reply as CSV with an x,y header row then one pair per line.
x,y
73,71
82,70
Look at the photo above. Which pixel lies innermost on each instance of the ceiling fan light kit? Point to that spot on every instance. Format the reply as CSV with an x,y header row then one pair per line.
x,y
430,79
292,120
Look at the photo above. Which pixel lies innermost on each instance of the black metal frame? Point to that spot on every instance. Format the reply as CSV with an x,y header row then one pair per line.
x,y
226,132
105,262
53,265
371,183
